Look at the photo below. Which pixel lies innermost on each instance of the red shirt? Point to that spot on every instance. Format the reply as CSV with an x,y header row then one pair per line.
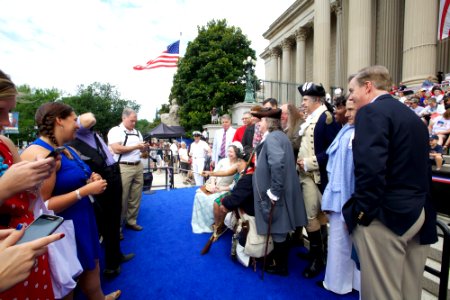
x,y
239,134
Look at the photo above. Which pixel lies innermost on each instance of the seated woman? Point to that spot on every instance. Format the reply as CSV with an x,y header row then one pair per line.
x,y
240,197
202,213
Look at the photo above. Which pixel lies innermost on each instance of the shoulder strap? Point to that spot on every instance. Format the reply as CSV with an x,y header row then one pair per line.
x,y
97,161
126,139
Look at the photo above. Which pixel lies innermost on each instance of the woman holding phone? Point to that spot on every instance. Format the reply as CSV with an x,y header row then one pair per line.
x,y
67,191
17,180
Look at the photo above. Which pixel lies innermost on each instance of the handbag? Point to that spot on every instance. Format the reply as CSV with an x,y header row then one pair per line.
x,y
62,255
255,244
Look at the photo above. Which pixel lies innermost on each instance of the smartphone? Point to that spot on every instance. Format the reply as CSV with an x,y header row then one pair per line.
x,y
56,151
44,225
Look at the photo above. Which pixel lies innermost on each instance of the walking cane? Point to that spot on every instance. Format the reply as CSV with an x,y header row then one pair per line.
x,y
267,238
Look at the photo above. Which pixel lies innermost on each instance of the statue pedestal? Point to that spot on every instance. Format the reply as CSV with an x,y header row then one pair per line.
x,y
212,128
238,110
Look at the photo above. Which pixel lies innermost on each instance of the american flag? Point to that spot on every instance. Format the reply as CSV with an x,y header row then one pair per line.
x,y
167,59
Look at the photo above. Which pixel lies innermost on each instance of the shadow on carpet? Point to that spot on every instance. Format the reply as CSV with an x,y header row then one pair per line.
x,y
168,264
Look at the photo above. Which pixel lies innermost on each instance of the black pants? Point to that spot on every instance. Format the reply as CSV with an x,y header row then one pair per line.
x,y
109,207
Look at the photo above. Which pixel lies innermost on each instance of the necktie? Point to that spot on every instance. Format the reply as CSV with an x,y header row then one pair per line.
x,y
224,141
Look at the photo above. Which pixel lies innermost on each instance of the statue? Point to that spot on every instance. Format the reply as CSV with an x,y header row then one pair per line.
x,y
214,116
171,118
249,64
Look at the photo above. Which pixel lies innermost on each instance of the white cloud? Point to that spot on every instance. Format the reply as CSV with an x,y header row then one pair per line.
x,y
63,44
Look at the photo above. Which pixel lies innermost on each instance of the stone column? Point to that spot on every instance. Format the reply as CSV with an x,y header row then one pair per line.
x,y
359,35
274,78
321,60
286,62
389,42
419,41
300,70
339,76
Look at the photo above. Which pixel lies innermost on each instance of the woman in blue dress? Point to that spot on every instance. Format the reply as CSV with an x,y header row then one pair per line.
x,y
67,191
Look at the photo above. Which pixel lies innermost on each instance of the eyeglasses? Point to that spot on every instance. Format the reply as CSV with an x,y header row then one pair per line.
x,y
245,118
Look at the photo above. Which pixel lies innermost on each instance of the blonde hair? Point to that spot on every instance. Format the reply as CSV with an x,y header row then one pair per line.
x,y
378,75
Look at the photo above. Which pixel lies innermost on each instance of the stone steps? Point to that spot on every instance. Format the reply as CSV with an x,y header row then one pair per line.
x,y
430,283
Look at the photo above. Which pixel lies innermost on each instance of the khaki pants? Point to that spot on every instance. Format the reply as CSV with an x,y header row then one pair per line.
x,y
132,183
392,266
313,203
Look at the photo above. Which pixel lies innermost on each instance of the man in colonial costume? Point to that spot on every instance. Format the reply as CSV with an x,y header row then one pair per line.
x,y
277,194
317,133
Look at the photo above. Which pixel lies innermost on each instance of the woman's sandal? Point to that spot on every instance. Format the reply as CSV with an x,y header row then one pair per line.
x,y
113,295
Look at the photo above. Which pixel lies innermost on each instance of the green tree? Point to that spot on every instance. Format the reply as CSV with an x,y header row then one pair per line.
x,y
27,104
104,101
210,73
143,126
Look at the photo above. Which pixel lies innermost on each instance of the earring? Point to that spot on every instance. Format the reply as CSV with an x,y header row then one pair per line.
x,y
61,126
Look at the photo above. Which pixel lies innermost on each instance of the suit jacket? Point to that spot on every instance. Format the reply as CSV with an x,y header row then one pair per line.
x,y
247,139
275,171
392,172
217,143
241,196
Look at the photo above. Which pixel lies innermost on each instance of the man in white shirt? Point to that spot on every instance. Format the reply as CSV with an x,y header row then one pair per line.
x,y
222,139
198,151
174,149
127,145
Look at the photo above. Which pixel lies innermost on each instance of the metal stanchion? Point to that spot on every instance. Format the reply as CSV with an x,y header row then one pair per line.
x,y
149,191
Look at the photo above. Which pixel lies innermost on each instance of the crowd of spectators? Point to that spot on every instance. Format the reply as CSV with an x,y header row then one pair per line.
x,y
431,103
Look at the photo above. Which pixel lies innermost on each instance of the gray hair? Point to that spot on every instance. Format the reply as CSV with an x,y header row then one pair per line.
x,y
273,124
127,111
226,117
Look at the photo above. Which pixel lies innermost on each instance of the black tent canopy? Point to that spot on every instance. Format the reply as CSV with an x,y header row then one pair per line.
x,y
162,131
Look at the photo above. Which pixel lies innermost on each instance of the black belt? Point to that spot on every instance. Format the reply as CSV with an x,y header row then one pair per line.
x,y
130,163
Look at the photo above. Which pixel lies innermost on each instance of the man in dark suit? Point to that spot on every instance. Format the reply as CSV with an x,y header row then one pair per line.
x,y
389,215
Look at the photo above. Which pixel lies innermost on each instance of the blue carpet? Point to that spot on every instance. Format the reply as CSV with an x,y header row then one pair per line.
x,y
168,264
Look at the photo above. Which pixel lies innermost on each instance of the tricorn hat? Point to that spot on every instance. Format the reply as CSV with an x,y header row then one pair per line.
x,y
311,89
267,112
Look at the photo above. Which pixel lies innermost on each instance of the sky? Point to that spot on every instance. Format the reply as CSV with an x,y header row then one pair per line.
x,y
63,44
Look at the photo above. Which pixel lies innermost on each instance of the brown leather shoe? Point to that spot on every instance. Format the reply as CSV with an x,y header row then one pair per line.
x,y
134,227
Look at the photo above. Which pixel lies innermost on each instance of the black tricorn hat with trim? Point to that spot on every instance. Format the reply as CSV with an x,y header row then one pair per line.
x,y
311,89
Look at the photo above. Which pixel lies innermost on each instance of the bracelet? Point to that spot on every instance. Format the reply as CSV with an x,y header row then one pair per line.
x,y
78,194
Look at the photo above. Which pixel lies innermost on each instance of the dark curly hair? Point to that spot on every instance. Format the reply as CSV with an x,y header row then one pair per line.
x,y
46,115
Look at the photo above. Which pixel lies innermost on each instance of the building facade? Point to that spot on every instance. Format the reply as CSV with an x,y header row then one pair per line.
x,y
324,41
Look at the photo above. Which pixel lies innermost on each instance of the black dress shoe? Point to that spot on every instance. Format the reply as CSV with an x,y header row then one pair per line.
x,y
314,269
111,273
134,227
277,270
127,257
